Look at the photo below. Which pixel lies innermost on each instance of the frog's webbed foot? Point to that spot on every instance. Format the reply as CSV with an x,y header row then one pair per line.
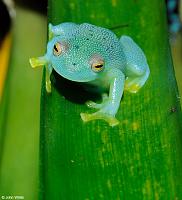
x,y
106,111
133,84
110,119
92,104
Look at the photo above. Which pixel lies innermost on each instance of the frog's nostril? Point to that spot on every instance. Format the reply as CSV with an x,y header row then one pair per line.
x,y
74,64
76,46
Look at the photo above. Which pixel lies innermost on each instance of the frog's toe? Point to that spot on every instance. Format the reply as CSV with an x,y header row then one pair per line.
x,y
39,61
133,88
111,120
51,34
133,85
92,104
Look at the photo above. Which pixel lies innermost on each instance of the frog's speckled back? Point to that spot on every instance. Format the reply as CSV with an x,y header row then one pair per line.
x,y
105,39
88,34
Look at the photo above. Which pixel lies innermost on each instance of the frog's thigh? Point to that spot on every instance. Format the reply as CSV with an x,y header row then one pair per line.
x,y
137,69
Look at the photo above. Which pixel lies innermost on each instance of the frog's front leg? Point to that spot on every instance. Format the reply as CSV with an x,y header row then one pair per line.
x,y
42,61
48,81
109,107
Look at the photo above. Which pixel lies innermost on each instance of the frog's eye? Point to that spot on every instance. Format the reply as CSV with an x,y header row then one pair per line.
x,y
57,49
98,66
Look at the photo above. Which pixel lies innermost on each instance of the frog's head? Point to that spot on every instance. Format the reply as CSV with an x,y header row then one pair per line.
x,y
73,58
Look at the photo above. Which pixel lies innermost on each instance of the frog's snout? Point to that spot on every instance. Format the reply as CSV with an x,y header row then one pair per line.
x,y
39,61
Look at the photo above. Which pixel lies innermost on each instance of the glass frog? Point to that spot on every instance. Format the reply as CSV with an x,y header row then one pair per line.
x,y
94,55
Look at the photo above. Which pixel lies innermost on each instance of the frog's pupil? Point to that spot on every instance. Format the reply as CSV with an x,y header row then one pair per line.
x,y
55,48
98,66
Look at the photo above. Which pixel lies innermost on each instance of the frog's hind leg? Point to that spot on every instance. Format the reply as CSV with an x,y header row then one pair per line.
x,y
137,70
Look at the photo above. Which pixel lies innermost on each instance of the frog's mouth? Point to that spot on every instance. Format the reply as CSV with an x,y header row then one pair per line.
x,y
74,76
39,61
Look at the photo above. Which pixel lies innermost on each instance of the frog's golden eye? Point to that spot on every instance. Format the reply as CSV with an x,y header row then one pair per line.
x,y
57,49
98,66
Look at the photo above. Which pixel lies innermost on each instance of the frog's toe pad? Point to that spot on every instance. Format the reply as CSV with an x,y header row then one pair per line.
x,y
33,62
112,121
133,88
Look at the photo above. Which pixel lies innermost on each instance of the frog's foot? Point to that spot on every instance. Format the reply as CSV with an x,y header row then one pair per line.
x,y
134,84
131,86
39,61
110,119
92,104
107,113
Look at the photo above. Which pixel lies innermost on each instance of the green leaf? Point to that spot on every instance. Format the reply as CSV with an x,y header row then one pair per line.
x,y
140,158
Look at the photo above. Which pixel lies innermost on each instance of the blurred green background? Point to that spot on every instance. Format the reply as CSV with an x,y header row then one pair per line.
x,y
20,145
19,136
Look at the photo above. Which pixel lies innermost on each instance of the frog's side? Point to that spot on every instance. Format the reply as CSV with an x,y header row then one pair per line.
x,y
91,54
